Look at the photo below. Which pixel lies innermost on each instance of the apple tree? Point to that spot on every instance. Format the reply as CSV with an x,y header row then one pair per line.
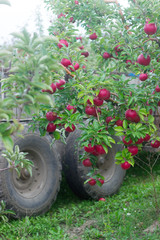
x,y
108,84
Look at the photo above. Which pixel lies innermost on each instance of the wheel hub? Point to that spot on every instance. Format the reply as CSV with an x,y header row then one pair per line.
x,y
24,174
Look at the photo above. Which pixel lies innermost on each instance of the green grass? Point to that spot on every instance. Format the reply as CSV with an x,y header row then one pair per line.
x,y
124,216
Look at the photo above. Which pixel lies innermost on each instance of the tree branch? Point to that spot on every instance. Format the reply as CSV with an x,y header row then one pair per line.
x,y
67,70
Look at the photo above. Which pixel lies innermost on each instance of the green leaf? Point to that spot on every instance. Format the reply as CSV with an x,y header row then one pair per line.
x,y
143,111
57,135
80,94
43,98
118,129
4,116
150,119
4,126
8,143
119,134
105,148
125,124
29,98
111,131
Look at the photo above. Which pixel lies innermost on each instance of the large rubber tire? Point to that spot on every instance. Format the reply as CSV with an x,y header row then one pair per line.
x,y
76,173
32,195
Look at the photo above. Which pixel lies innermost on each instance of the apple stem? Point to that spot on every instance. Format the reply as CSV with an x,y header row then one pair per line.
x,y
67,70
112,100
114,94
153,39
97,115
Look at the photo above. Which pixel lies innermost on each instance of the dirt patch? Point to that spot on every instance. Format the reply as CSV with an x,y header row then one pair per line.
x,y
153,227
76,232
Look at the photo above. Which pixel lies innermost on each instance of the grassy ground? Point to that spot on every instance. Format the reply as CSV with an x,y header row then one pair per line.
x,y
124,216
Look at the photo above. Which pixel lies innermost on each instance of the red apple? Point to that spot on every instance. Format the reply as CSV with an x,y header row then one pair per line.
x,y
146,138
89,102
101,181
131,115
97,101
106,55
104,94
119,122
72,69
51,127
99,149
81,47
117,48
89,149
93,36
150,28
68,129
48,91
66,62
155,144
157,89
86,54
143,76
51,116
60,83
137,119
158,103
76,66
140,140
128,61
79,38
71,19
92,181
76,2
133,150
90,111
95,153
102,199
108,119
69,107
126,165
53,86
125,142
143,61
61,15
62,41
87,163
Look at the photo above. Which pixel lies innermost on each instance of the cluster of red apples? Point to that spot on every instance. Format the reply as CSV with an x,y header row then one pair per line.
x,y
93,108
52,116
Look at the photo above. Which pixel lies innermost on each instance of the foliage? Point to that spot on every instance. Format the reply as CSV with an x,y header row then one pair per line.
x,y
4,212
17,160
30,72
114,26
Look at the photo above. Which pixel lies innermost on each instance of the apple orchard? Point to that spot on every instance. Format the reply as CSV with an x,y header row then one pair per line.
x,y
106,81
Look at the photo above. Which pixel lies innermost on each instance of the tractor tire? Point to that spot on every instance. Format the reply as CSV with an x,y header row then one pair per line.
x,y
32,195
76,173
